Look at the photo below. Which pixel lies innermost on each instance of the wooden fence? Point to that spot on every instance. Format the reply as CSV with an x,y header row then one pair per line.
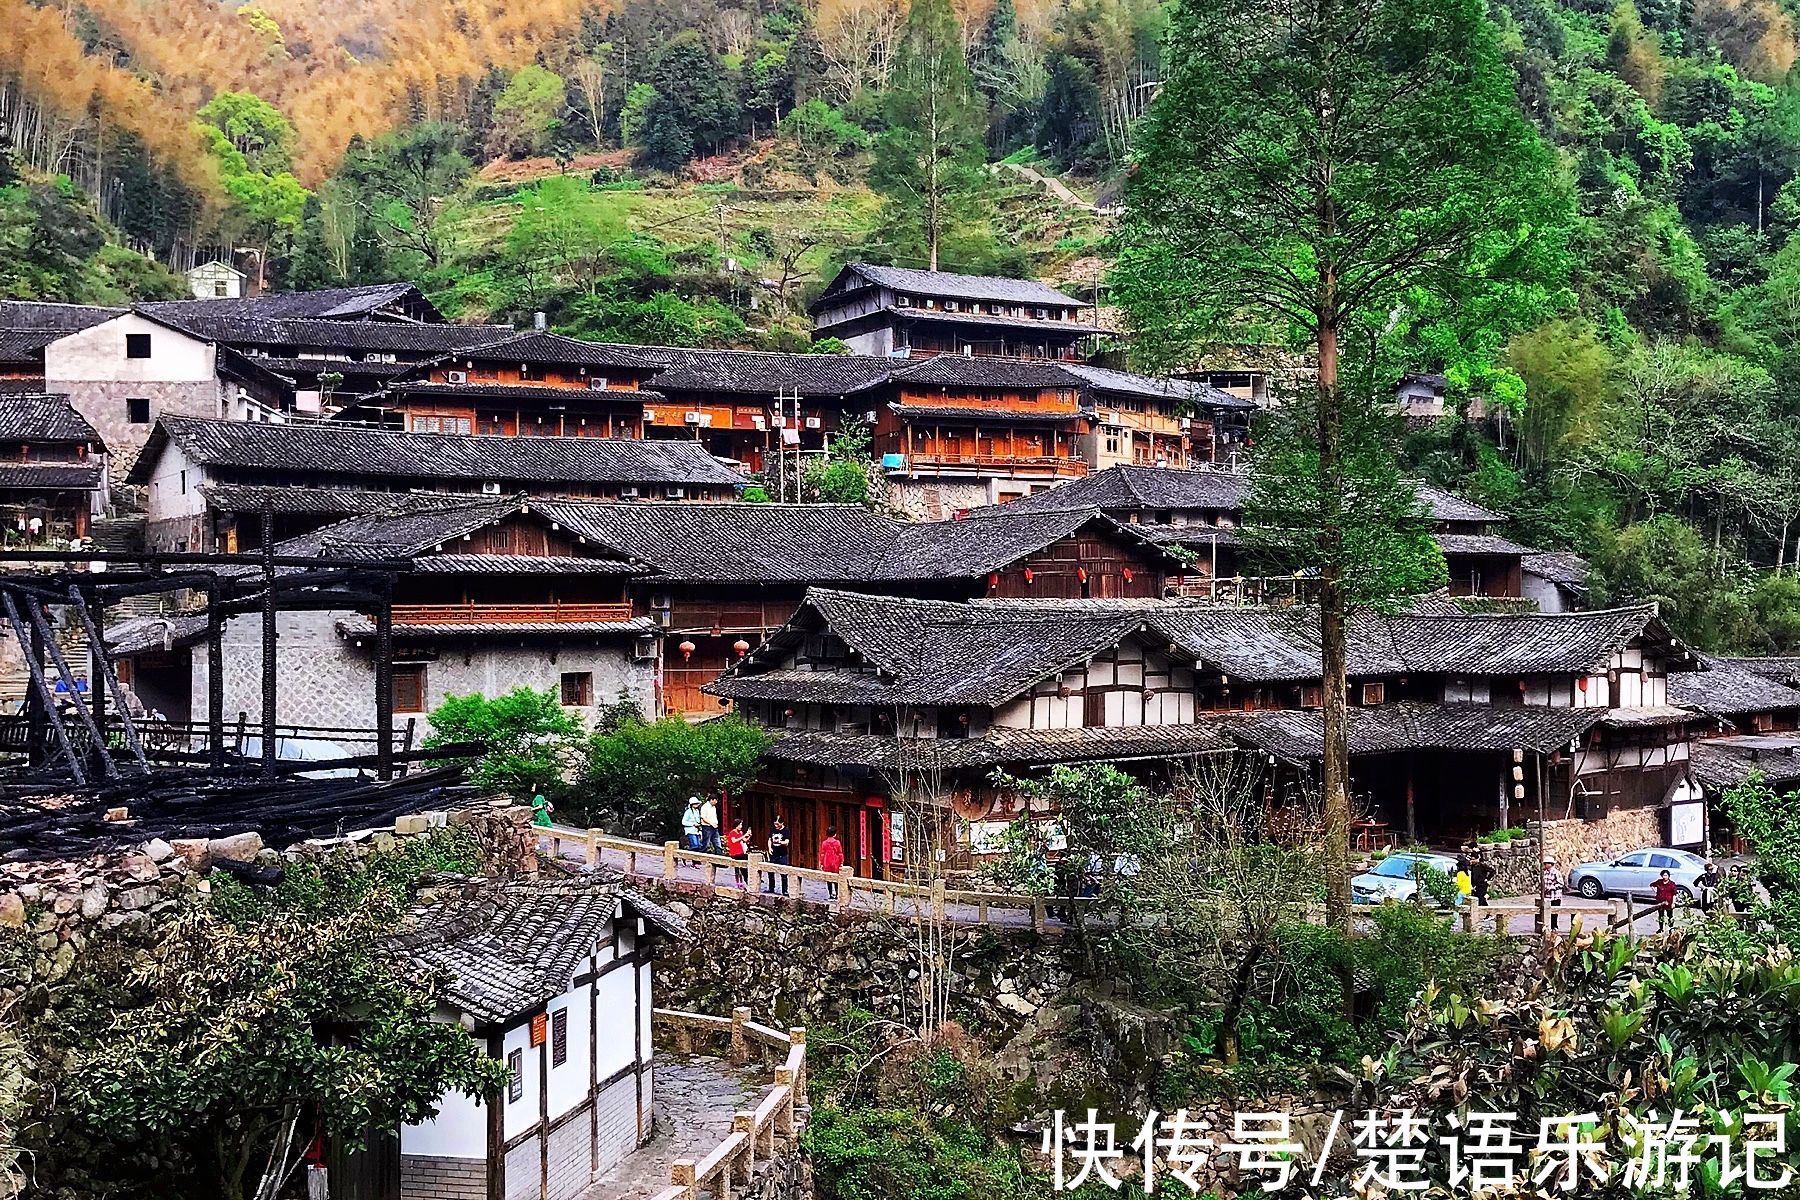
x,y
888,897
756,1135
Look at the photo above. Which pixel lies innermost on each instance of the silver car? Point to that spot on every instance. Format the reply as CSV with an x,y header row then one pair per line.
x,y
1636,874
1396,877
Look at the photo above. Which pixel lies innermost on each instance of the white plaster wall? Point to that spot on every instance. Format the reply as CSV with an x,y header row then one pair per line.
x,y
97,354
521,1114
1546,595
569,1083
617,1042
164,498
458,1131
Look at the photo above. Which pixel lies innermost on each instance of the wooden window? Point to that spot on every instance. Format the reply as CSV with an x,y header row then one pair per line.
x,y
137,410
1093,708
1311,696
577,689
137,345
409,687
1374,693
515,1076
559,1032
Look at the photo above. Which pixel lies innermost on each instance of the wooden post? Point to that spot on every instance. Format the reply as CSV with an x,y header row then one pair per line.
x,y
668,860
845,875
740,1045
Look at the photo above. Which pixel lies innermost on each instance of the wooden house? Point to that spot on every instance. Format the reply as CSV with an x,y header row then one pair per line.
x,y
901,313
52,471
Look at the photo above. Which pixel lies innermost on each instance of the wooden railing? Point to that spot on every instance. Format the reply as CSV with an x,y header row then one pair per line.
x,y
1059,464
756,1136
890,898
510,614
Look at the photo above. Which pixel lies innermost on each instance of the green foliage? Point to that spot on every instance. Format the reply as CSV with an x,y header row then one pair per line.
x,y
530,744
254,128
53,244
209,1051
1769,821
639,775
665,319
880,1153
527,113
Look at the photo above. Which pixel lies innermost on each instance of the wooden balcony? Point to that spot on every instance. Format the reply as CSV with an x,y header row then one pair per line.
x,y
511,614
1028,464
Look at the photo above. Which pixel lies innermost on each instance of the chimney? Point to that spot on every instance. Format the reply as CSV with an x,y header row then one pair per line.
x,y
538,322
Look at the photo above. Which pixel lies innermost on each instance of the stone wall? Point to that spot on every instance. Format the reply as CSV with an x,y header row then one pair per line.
x,y
1620,831
936,499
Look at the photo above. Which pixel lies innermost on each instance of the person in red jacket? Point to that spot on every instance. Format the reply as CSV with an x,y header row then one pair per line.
x,y
737,846
831,857
1665,890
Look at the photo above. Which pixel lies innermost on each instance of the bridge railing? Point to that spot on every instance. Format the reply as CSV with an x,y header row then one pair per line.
x,y
890,897
756,1135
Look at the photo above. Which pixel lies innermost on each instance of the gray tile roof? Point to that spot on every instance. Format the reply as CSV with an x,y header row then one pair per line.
x,y
957,287
322,501
1452,509
33,417
505,948
68,476
1727,689
1480,543
520,564
26,345
1395,728
1779,668
54,317
314,448
338,304
736,542
764,375
937,316
1003,748
956,370
201,319
1105,381
988,539
1563,567
539,346
1725,762
983,414
510,392
362,627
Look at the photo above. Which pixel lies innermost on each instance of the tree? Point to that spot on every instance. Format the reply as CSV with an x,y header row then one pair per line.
x,y
262,1016
589,77
255,129
639,774
526,113
1342,171
405,181
928,163
696,96
528,743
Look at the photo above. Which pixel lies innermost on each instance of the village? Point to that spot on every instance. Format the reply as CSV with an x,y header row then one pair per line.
x,y
260,545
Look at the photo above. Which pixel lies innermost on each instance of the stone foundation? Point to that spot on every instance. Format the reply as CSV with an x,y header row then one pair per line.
x,y
1619,832
425,1177
937,499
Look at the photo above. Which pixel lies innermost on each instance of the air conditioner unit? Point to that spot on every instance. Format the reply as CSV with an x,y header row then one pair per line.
x,y
457,376
778,422
812,422
649,416
676,493
692,418
644,650
597,383
490,489
760,421
871,416
629,493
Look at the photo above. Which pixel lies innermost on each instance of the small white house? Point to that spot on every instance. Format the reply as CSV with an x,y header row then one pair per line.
x,y
553,977
216,280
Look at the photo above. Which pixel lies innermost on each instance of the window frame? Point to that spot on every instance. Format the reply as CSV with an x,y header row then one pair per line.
x,y
136,342
515,1076
584,689
409,670
132,410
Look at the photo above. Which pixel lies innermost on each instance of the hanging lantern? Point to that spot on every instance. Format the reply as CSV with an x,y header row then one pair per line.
x,y
1129,575
741,646
1582,683
1064,691
1081,574
1149,695
687,650
1028,575
993,579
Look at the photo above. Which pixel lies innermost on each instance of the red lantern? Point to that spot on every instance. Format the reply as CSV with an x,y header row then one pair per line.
x,y
1582,683
687,650
1028,575
1081,574
741,646
993,579
1128,574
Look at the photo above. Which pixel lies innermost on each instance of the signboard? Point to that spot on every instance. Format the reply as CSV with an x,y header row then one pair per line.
x,y
896,837
540,1029
1687,824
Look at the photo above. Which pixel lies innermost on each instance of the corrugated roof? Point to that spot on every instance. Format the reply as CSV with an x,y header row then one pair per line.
x,y
315,448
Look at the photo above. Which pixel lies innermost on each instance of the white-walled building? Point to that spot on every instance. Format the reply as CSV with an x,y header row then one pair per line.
x,y
554,978
216,280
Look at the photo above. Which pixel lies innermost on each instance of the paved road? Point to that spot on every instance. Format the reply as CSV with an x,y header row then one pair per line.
x,y
694,1102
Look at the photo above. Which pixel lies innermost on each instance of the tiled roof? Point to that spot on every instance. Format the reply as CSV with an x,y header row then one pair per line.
x,y
39,418
323,447
539,346
1780,669
338,304
764,375
1451,508
523,391
25,345
58,318
1392,728
1144,488
735,542
321,501
349,368
1003,747
520,564
1725,762
137,635
73,476
956,370
1479,543
1726,689
507,947
959,287
1563,567
984,414
400,337
1106,381
938,316
988,539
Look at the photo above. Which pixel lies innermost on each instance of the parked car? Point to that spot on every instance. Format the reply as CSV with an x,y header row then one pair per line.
x,y
306,749
1636,873
1396,877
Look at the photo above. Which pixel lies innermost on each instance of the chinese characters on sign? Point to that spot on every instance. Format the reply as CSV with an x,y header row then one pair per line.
x,y
1400,1151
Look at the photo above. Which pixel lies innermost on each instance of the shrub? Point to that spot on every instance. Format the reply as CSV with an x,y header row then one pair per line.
x,y
640,774
528,742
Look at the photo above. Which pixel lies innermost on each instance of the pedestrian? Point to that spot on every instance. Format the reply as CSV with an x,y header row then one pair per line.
x,y
737,845
541,810
709,827
779,844
1553,883
1480,877
1665,889
831,857
1464,878
690,824
1708,884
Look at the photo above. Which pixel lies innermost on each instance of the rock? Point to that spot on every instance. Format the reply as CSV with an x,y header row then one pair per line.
x,y
118,813
12,911
142,868
684,911
62,962
383,841
31,891
192,851
157,850
239,847
415,824
94,902
1015,1003
138,897
64,905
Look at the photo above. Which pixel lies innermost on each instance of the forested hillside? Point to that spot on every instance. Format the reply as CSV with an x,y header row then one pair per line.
x,y
690,170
